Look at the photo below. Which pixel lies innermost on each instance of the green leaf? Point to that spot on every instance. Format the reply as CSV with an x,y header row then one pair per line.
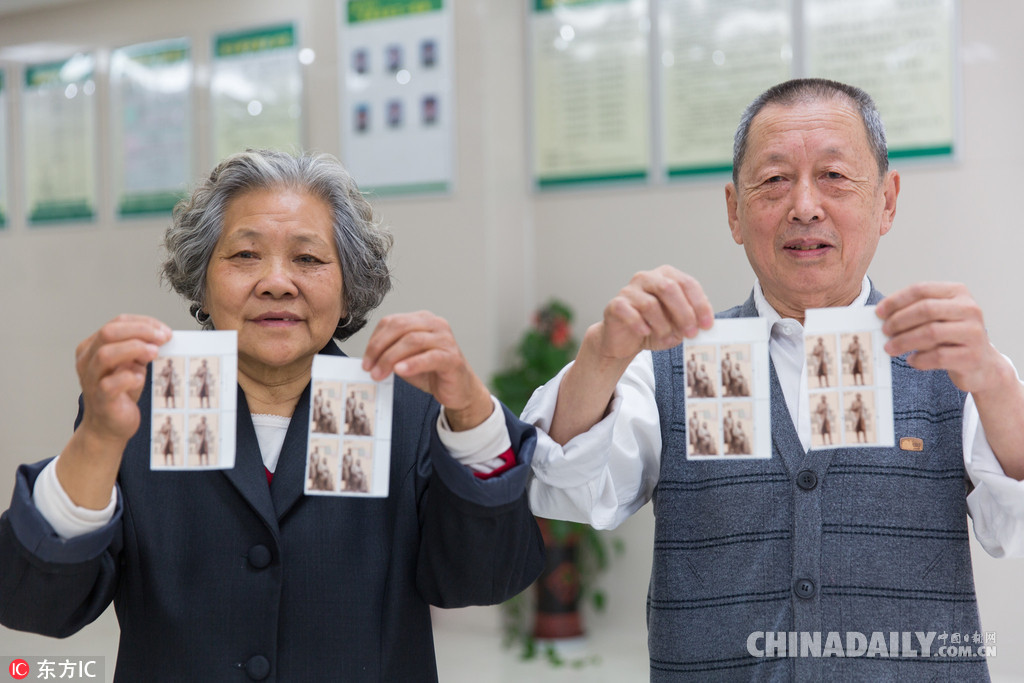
x,y
552,655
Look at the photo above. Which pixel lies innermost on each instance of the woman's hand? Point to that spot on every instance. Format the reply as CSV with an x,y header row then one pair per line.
x,y
111,366
421,349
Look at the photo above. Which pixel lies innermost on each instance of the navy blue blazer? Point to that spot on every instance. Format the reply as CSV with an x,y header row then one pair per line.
x,y
216,576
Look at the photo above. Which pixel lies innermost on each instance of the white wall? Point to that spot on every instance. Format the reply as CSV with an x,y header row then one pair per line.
x,y
487,254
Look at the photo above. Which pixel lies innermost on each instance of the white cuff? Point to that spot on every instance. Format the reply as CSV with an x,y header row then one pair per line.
x,y
57,508
480,446
997,502
584,458
606,473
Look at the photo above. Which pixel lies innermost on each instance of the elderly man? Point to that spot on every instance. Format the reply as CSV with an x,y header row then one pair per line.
x,y
758,561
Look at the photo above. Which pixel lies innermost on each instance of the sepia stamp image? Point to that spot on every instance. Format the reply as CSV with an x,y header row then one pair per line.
x,y
168,383
322,466
701,371
356,466
325,407
825,419
194,379
203,382
736,377
360,400
822,371
728,391
858,367
853,408
702,430
859,411
349,429
738,428
168,441
203,437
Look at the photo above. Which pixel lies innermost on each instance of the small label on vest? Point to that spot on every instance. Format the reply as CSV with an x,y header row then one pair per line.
x,y
911,443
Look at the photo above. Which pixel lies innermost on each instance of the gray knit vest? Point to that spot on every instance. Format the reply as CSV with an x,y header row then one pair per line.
x,y
860,540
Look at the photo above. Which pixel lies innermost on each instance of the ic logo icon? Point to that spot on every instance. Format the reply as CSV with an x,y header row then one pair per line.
x,y
19,669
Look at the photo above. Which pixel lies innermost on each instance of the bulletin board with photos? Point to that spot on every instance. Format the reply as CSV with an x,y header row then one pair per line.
x,y
647,90
397,86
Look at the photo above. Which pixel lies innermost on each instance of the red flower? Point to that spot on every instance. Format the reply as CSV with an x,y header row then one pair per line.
x,y
560,333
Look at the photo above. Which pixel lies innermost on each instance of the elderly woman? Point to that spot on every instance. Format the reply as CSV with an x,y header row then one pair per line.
x,y
234,574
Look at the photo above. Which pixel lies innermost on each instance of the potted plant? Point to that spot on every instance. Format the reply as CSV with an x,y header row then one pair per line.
x,y
576,553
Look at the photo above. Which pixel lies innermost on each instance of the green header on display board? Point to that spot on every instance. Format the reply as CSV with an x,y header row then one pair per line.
x,y
548,5
148,55
155,203
904,153
51,74
57,211
248,42
370,10
557,181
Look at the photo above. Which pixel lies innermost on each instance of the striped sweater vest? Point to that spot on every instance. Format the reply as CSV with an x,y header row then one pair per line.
x,y
855,540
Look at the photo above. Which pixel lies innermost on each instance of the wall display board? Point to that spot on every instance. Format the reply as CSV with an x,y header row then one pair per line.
x,y
3,150
899,51
151,113
59,124
715,58
256,91
600,69
397,94
589,67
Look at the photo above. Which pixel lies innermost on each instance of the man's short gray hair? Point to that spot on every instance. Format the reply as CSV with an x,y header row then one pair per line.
x,y
806,90
363,244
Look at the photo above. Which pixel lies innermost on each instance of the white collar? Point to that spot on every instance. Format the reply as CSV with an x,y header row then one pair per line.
x,y
767,311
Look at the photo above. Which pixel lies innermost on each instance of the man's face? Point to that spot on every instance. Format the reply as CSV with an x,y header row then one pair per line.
x,y
808,206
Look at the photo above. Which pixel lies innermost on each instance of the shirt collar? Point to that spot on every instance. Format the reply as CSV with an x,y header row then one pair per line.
x,y
766,311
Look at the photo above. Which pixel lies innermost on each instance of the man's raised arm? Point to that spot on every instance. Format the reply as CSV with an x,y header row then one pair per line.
x,y
656,310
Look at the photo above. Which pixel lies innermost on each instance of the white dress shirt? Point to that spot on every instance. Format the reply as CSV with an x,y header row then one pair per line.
x,y
604,475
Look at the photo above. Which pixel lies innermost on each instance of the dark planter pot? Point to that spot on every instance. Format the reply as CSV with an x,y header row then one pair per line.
x,y
558,589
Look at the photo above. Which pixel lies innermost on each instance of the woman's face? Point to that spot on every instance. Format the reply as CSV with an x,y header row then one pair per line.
x,y
275,276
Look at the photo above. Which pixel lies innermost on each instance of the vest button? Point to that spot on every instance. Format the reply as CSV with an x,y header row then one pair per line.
x,y
804,588
806,480
259,556
257,668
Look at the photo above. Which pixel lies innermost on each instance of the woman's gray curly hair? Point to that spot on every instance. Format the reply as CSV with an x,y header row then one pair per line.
x,y
363,244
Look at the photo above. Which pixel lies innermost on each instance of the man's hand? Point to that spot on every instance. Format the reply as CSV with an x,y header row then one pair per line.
x,y
656,310
942,328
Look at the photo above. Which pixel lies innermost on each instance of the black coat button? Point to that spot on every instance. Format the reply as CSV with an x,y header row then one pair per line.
x,y
806,480
257,668
259,556
804,588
